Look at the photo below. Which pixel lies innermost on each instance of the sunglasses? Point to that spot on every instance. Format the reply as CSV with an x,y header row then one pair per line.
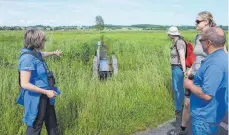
x,y
201,40
199,21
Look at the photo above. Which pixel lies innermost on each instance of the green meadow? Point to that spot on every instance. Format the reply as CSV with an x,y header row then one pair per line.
x,y
139,97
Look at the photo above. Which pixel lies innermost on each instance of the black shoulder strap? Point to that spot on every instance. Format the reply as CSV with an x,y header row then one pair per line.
x,y
186,48
178,40
177,49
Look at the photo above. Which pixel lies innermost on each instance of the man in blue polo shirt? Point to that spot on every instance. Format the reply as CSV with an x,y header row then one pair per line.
x,y
209,99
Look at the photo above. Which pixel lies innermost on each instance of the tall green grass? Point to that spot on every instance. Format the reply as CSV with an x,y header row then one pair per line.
x,y
137,98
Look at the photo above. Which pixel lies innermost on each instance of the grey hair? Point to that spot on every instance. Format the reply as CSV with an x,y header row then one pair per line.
x,y
216,35
33,38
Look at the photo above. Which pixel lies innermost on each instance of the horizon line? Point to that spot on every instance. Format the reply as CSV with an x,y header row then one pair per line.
x,y
94,25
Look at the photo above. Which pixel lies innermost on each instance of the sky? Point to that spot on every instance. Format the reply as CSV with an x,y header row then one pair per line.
x,y
116,12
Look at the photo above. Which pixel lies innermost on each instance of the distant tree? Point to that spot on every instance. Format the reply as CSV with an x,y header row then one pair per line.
x,y
99,23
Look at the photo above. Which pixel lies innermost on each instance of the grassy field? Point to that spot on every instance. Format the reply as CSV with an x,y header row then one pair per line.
x,y
137,98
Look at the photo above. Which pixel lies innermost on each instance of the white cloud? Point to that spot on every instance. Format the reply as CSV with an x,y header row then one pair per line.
x,y
22,21
13,13
25,22
119,2
176,1
56,12
48,22
178,6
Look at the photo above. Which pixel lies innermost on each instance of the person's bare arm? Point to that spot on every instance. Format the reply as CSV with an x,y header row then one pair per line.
x,y
188,73
47,54
188,84
25,83
182,59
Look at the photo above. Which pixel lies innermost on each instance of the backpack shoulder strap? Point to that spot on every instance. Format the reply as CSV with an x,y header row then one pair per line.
x,y
182,40
185,46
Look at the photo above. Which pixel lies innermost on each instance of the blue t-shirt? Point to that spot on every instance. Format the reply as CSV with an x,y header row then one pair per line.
x,y
29,99
212,77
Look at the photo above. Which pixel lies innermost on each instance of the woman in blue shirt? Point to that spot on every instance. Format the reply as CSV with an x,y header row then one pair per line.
x,y
35,91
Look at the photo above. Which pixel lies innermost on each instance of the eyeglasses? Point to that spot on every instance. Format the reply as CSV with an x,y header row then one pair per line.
x,y
199,21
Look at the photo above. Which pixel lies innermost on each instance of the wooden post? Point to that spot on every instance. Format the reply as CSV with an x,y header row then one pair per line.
x,y
95,67
114,65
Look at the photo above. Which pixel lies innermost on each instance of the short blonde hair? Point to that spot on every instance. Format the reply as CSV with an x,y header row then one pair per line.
x,y
207,16
33,38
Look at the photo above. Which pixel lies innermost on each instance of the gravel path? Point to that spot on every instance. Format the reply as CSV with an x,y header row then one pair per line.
x,y
168,127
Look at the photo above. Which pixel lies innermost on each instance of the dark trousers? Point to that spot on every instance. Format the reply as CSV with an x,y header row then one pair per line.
x,y
46,113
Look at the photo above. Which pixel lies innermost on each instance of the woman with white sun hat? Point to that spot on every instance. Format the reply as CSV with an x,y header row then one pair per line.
x,y
177,61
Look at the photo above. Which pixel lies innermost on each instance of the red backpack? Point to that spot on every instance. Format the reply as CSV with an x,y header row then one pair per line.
x,y
190,57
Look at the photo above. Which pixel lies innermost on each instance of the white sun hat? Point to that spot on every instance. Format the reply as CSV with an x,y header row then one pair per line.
x,y
173,31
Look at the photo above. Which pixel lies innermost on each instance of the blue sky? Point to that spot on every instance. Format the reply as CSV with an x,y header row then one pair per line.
x,y
118,12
